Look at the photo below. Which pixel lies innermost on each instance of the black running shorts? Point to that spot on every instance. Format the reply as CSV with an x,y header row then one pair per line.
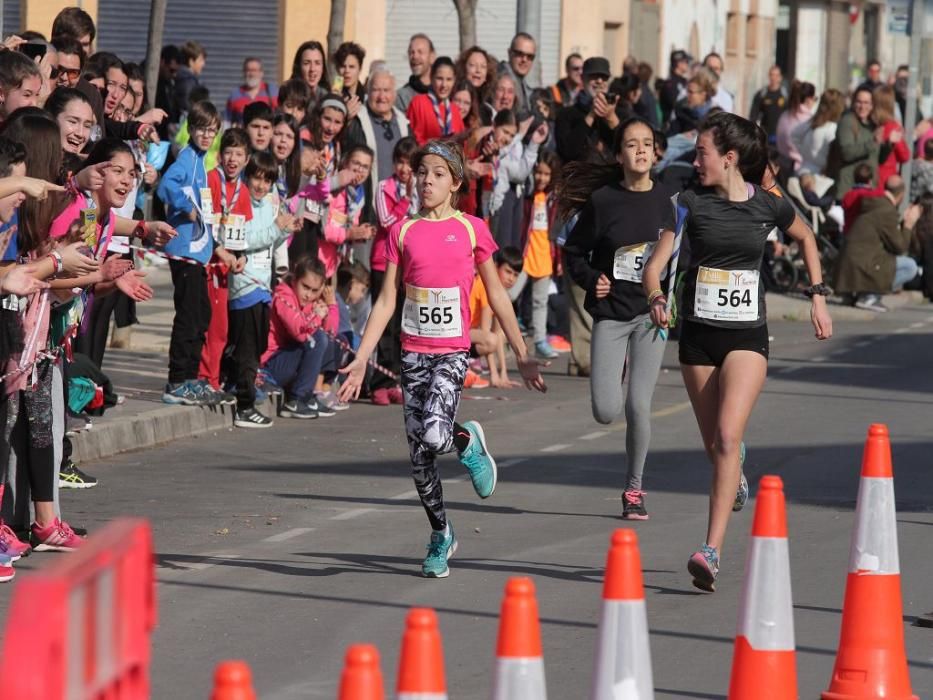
x,y
701,344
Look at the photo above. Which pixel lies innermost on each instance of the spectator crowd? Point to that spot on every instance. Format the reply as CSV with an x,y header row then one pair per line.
x,y
271,210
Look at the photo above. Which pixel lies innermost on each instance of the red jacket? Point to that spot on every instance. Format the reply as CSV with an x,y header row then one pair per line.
x,y
852,203
900,153
423,120
289,324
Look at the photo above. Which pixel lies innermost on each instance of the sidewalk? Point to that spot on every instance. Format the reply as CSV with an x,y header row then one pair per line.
x,y
139,374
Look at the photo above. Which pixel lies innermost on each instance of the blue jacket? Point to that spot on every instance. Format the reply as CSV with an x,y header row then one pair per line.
x,y
194,240
262,237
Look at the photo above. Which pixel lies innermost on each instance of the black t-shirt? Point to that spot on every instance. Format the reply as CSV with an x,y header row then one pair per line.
x,y
610,239
728,238
771,104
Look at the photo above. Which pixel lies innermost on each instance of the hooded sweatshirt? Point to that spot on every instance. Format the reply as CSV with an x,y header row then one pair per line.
x,y
290,324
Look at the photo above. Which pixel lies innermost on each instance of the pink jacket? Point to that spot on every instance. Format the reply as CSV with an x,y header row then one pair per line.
x,y
335,231
290,324
390,208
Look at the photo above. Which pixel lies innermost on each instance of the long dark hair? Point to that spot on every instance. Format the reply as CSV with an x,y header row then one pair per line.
x,y
292,164
580,179
749,141
296,63
104,151
38,129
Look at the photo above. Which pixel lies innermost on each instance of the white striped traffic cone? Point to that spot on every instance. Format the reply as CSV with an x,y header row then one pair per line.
x,y
519,660
623,659
764,665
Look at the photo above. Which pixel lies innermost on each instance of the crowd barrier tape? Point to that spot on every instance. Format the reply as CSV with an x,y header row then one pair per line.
x,y
80,628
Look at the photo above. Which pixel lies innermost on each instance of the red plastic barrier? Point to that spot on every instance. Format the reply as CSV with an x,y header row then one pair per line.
x,y
79,629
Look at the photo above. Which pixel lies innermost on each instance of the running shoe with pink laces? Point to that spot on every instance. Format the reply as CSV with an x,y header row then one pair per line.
x,y
11,545
633,505
55,537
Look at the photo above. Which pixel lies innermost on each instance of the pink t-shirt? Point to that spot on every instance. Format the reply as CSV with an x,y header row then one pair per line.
x,y
440,254
72,213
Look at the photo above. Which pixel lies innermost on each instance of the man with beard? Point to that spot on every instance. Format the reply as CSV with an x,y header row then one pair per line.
x,y
253,89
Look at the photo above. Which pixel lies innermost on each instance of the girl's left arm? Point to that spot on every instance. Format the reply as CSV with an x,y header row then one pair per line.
x,y
819,314
502,308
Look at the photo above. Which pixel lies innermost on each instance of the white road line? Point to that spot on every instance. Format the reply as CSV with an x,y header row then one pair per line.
x,y
862,344
788,370
918,324
407,496
901,330
593,436
352,513
212,560
511,462
554,448
820,358
289,534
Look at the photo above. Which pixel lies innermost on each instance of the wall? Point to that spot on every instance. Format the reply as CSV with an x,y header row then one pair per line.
x,y
37,15
601,30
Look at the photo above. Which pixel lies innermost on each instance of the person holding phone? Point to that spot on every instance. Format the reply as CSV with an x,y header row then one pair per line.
x,y
585,129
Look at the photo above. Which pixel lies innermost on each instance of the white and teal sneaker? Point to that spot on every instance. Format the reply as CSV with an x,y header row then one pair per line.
x,y
741,496
440,549
479,463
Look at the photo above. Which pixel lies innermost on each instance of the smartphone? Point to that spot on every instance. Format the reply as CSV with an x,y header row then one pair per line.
x,y
34,51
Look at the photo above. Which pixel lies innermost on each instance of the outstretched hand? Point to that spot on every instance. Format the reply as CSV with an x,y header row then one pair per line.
x,y
353,379
530,369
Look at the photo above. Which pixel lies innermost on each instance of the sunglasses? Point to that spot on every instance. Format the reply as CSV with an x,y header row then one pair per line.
x,y
522,54
70,73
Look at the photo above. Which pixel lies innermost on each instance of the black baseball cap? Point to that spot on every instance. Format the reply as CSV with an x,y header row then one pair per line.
x,y
680,55
596,66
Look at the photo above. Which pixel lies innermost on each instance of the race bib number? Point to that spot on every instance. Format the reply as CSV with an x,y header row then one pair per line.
x,y
207,207
233,232
629,262
726,295
262,257
540,222
432,313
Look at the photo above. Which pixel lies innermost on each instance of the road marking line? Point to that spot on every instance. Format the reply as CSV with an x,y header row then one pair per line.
x,y
788,370
820,358
352,513
554,448
594,436
212,560
901,330
918,324
512,462
862,344
408,495
289,534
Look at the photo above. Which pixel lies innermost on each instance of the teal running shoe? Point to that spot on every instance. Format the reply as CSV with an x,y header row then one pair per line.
x,y
478,461
704,567
440,549
741,496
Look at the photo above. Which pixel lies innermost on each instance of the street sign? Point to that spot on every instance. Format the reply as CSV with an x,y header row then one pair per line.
x,y
899,17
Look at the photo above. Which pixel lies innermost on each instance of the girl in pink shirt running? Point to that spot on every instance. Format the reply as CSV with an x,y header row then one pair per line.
x,y
435,254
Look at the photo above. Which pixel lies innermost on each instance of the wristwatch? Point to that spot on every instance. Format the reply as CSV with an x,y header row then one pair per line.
x,y
817,290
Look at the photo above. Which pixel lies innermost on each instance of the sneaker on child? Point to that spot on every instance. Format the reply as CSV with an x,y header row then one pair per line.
x,y
70,477
7,573
479,463
396,396
380,397
633,505
544,351
704,567
57,536
322,410
180,393
11,545
251,418
293,408
474,381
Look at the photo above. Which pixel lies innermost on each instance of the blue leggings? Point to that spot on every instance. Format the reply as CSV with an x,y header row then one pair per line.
x,y
295,368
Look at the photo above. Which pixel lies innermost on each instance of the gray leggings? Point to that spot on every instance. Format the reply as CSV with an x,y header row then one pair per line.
x,y
540,291
612,341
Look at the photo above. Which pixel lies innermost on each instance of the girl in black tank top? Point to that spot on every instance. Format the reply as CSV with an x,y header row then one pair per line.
x,y
723,357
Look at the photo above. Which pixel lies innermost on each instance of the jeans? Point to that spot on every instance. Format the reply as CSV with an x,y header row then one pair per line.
x,y
905,269
295,368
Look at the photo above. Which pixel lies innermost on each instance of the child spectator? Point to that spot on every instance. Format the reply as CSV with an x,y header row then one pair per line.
x,y
539,251
297,344
343,215
511,167
810,194
231,201
294,98
257,120
250,294
432,115
20,83
396,200
921,182
189,208
486,334
852,201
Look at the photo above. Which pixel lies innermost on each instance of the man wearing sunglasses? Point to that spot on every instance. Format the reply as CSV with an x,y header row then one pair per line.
x,y
522,52
70,61
566,89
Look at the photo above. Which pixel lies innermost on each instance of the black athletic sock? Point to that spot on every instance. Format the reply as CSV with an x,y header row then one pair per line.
x,y
461,437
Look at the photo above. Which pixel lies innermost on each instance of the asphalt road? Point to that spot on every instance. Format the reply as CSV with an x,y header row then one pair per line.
x,y
281,547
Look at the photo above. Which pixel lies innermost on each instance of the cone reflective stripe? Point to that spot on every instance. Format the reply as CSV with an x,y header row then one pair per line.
x,y
361,678
233,681
872,661
764,663
421,663
519,660
623,658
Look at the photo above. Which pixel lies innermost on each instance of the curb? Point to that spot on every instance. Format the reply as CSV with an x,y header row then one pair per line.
x,y
155,427
794,308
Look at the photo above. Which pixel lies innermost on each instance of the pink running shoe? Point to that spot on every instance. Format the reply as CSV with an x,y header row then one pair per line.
x,y
380,397
11,545
6,574
56,537
395,395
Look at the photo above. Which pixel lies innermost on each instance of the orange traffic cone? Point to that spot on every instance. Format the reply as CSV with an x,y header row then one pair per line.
x,y
361,678
519,661
421,663
764,664
623,659
871,661
233,681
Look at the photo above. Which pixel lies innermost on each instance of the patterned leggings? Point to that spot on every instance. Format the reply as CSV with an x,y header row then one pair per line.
x,y
432,386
